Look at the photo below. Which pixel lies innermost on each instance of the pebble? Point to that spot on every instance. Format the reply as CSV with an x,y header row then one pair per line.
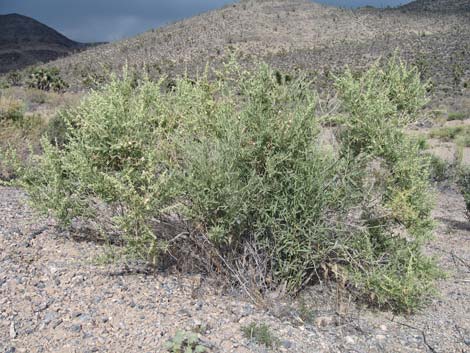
x,y
12,330
350,339
286,344
75,328
49,317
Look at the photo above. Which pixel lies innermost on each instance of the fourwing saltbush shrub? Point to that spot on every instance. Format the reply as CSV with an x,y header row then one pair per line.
x,y
378,107
236,171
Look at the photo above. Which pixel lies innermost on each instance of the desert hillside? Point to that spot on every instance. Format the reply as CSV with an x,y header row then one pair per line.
x,y
25,41
295,34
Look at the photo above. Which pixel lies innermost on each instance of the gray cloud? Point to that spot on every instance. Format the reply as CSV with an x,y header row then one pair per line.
x,y
108,20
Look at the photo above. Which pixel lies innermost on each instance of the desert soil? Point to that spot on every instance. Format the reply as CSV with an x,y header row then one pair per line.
x,y
55,298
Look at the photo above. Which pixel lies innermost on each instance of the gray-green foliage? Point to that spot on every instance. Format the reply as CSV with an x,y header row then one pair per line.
x,y
185,342
379,106
261,334
464,185
241,163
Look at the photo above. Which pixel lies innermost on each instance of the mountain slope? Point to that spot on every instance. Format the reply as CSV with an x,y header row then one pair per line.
x,y
291,34
442,6
25,41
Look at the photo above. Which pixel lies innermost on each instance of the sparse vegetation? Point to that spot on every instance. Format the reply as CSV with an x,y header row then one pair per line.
x,y
464,185
458,134
260,334
11,109
457,116
46,80
185,342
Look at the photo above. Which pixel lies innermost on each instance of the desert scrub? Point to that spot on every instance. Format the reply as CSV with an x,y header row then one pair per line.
x,y
260,334
463,182
232,175
11,109
397,214
458,134
47,79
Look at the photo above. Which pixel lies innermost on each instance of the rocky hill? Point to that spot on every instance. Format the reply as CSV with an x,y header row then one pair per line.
x,y
25,41
442,6
295,34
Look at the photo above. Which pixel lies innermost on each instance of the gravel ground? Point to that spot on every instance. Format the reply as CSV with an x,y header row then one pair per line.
x,y
54,298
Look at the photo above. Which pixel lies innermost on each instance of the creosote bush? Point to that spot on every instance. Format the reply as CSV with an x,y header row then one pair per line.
x,y
233,175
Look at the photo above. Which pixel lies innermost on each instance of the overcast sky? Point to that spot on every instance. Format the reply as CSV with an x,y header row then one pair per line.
x,y
108,20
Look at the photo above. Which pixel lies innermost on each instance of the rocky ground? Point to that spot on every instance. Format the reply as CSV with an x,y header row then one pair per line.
x,y
54,297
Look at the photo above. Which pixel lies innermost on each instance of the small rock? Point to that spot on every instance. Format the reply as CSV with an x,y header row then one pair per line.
x,y
380,337
85,318
75,328
287,344
49,317
12,330
40,285
383,327
10,350
350,339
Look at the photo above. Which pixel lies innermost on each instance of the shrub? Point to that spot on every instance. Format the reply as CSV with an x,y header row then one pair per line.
x,y
464,185
380,104
11,109
14,78
47,79
234,176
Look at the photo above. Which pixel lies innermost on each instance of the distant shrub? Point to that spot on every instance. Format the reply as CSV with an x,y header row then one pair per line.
x,y
464,185
233,175
11,109
47,79
14,78
457,116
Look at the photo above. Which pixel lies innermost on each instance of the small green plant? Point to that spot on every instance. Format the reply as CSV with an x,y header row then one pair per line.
x,y
458,134
464,185
440,170
260,334
457,116
185,342
47,79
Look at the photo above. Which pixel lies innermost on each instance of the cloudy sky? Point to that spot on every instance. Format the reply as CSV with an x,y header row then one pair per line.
x,y
108,20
